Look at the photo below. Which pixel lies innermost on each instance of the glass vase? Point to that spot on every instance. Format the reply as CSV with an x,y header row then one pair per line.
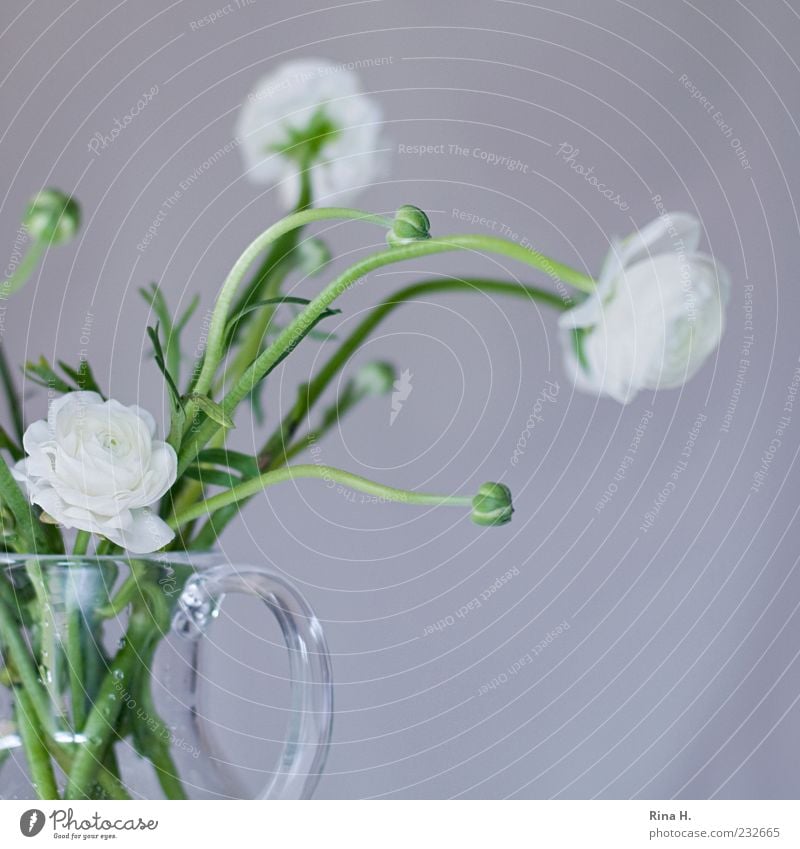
x,y
101,686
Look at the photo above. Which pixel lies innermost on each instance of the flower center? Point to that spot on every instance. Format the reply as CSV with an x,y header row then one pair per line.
x,y
110,442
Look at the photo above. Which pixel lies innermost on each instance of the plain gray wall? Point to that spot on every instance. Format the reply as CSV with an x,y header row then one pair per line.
x,y
678,673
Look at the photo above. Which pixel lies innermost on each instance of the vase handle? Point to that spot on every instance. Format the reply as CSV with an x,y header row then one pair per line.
x,y
311,718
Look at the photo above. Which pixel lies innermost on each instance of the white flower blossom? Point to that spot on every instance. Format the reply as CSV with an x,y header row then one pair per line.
x,y
311,114
656,315
96,466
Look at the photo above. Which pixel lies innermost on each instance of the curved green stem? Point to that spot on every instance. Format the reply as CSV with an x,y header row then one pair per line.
x,y
24,270
278,450
332,476
154,737
35,745
219,319
281,248
121,600
24,666
290,336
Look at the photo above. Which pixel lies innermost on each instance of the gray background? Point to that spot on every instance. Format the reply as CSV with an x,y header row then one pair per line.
x,y
678,674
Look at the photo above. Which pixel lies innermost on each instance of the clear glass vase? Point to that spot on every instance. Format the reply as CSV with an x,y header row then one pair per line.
x,y
101,690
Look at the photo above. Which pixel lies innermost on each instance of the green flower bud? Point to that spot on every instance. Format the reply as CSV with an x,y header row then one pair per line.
x,y
411,224
492,505
312,256
52,217
376,378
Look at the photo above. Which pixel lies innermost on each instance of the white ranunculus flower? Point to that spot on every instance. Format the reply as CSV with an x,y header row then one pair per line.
x,y
96,466
657,313
313,110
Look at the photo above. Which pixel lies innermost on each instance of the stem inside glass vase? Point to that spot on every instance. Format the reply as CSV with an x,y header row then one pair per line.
x,y
78,637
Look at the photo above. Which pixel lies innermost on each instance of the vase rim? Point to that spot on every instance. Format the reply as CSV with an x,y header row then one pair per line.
x,y
197,559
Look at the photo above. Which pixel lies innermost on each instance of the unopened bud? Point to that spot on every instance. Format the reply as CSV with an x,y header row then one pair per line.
x,y
376,378
52,217
411,224
492,505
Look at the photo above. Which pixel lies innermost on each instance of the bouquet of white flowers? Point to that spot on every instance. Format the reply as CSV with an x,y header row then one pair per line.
x,y
97,467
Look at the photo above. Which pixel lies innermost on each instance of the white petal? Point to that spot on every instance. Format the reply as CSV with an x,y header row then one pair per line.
x,y
694,332
149,421
672,233
158,478
71,402
586,314
285,101
146,533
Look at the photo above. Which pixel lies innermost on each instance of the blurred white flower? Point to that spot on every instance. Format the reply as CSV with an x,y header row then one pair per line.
x,y
311,113
657,313
95,465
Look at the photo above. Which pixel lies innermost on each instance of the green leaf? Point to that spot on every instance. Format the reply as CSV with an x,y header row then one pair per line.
x,y
12,447
256,398
298,339
181,323
82,376
212,477
207,535
245,464
155,299
158,356
154,296
42,374
212,410
79,379
286,299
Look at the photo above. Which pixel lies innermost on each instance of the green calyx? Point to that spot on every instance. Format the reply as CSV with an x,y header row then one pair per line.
x,y
492,505
52,217
410,224
304,144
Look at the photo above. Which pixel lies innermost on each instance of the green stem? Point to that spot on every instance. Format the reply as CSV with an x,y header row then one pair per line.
x,y
74,657
154,740
330,475
277,450
24,270
81,543
12,396
31,529
106,547
290,335
102,720
122,598
106,780
219,318
36,751
280,250
148,620
24,665
51,645
252,341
